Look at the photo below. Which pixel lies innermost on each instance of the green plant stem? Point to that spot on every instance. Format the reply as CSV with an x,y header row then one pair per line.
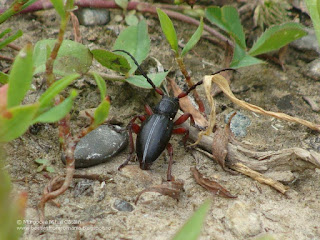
x,y
49,64
15,8
190,83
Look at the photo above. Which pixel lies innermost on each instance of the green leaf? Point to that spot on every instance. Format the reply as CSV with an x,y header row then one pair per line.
x,y
111,60
59,7
131,20
135,40
10,39
227,18
50,169
20,77
19,121
276,37
101,112
140,81
122,3
72,57
101,85
40,168
168,30
242,59
4,78
46,98
193,40
42,161
58,112
192,228
314,11
6,31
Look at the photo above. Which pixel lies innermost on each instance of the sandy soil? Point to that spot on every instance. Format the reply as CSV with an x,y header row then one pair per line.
x,y
257,210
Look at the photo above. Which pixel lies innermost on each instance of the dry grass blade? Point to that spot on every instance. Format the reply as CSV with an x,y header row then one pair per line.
x,y
224,86
171,189
239,167
210,185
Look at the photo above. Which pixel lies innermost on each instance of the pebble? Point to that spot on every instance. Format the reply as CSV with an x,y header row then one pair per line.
x,y
242,220
99,146
312,69
123,205
93,17
84,187
239,124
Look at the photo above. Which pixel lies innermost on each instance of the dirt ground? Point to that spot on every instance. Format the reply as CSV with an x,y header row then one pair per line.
x,y
257,210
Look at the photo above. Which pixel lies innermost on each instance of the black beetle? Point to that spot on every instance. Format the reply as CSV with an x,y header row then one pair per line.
x,y
155,132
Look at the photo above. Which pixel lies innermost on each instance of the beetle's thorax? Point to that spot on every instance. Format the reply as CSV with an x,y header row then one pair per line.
x,y
168,106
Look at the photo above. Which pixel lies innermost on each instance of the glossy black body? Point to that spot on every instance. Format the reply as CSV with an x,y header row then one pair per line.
x,y
156,131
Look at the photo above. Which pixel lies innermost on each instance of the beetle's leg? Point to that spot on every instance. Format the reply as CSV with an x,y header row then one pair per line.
x,y
148,109
182,131
184,117
170,151
132,127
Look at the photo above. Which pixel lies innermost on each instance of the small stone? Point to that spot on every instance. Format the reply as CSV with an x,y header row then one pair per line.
x,y
243,221
312,69
123,205
84,187
99,146
93,17
239,124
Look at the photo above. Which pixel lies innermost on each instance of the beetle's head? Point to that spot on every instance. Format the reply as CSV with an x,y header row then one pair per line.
x,y
167,106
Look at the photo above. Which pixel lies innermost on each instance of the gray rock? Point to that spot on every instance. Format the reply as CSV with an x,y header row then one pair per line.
x,y
123,205
99,146
239,124
93,17
243,221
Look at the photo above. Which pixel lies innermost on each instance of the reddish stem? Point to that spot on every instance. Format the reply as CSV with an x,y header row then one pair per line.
x,y
142,7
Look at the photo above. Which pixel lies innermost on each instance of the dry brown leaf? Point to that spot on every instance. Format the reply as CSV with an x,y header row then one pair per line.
x,y
186,106
210,185
220,143
171,189
224,86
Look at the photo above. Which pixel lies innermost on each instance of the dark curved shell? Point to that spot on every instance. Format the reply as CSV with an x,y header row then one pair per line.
x,y
153,138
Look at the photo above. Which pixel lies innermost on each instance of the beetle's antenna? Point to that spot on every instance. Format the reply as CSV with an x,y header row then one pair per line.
x,y
183,94
158,90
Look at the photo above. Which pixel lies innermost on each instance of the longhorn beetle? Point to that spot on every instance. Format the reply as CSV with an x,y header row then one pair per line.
x,y
155,132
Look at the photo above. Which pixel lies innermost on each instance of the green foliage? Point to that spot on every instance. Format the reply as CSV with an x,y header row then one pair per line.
x,y
314,11
227,18
59,7
192,228
170,33
101,85
10,39
4,78
135,40
16,7
276,37
101,112
16,118
193,40
140,81
72,57
57,112
111,60
11,210
122,3
168,30
47,97
45,165
20,77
